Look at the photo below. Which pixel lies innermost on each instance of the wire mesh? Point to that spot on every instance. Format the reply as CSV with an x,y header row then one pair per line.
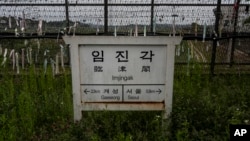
x,y
88,19
188,18
165,13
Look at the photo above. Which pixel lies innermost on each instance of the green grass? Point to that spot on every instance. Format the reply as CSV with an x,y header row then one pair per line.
x,y
39,107
35,106
32,100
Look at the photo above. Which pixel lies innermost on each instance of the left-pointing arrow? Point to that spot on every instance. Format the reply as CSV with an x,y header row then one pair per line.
x,y
86,91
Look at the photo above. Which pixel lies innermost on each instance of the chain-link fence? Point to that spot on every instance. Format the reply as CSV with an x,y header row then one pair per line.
x,y
215,32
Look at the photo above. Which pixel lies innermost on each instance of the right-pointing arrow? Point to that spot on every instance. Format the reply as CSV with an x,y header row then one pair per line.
x,y
159,91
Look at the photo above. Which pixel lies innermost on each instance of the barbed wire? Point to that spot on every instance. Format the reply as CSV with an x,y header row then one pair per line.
x,y
89,15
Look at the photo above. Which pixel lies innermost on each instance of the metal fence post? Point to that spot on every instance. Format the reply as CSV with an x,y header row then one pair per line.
x,y
105,16
236,12
67,15
217,14
152,16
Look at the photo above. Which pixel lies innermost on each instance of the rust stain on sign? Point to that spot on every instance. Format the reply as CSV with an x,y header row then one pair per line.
x,y
150,106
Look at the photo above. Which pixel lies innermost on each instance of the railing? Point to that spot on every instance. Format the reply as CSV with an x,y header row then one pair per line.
x,y
217,28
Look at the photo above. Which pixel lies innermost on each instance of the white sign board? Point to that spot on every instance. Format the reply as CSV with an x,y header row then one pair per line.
x,y
122,73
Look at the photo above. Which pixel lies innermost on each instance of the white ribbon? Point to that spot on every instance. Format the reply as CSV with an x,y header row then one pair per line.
x,y
17,63
45,52
97,30
131,32
39,29
196,27
4,57
45,65
38,49
154,24
10,22
97,27
74,29
216,35
57,64
62,53
22,58
204,32
16,32
38,46
52,62
25,42
45,61
5,52
145,31
17,22
23,23
173,26
30,55
136,30
12,54
115,34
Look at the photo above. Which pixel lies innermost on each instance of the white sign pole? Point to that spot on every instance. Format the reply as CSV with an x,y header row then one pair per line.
x,y
75,72
169,79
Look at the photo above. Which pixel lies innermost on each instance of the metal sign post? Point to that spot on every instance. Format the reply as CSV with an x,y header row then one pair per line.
x,y
122,73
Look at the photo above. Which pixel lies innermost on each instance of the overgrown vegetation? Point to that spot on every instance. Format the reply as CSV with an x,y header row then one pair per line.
x,y
32,101
37,106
